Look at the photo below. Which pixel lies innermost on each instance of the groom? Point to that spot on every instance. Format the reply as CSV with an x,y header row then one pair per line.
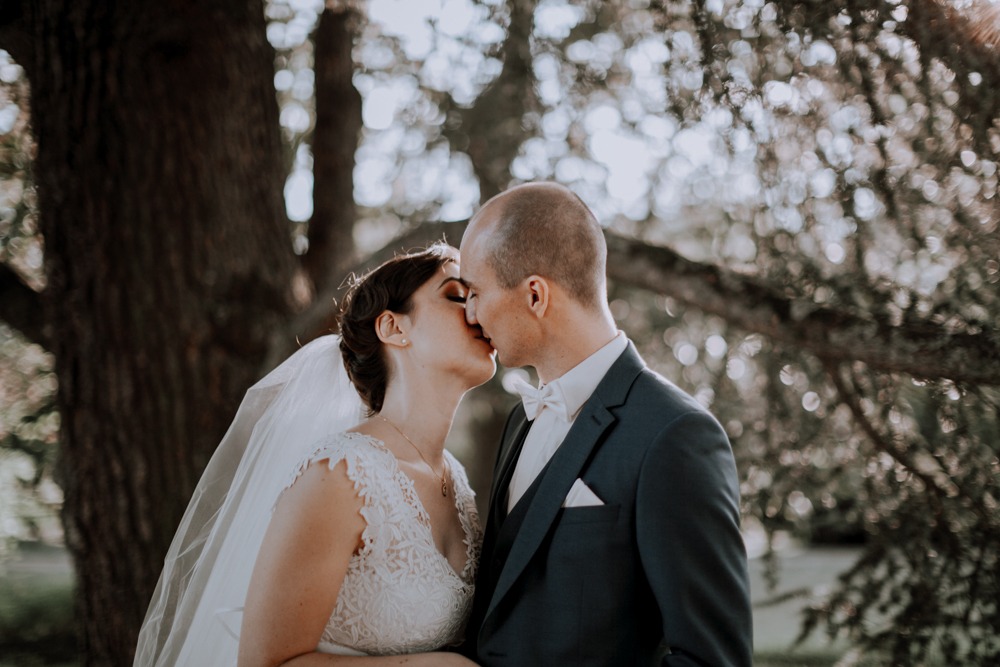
x,y
613,531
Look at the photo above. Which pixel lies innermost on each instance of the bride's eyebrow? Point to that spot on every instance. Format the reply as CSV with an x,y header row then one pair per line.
x,y
453,279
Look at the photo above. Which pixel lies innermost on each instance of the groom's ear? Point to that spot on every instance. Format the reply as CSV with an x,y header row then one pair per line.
x,y
389,328
538,294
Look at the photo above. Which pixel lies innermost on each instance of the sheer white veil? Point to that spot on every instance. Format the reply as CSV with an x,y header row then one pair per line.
x,y
195,613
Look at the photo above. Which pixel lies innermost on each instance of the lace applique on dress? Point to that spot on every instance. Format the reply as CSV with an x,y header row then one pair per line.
x,y
400,595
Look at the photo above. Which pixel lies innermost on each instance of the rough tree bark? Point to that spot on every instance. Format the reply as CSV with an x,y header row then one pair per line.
x,y
167,261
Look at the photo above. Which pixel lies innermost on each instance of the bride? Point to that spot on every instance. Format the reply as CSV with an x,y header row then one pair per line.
x,y
331,526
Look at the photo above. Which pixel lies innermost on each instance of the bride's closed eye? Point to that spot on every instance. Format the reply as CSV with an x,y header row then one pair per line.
x,y
457,298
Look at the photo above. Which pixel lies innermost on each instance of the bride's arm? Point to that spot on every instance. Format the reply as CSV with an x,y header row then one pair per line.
x,y
314,531
315,528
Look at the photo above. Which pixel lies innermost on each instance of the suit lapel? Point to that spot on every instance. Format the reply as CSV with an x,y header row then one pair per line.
x,y
565,467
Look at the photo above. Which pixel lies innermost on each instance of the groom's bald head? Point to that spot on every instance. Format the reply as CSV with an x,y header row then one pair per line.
x,y
543,229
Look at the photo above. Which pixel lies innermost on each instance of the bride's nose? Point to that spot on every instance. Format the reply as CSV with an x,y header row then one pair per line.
x,y
470,312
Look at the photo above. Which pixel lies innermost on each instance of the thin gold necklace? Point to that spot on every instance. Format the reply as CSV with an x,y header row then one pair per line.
x,y
444,481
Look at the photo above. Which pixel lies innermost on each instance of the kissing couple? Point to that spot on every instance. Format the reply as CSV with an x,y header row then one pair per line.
x,y
331,526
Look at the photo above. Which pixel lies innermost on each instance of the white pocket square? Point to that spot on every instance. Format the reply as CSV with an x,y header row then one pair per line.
x,y
580,495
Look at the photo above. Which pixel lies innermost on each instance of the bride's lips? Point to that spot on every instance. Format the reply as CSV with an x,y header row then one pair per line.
x,y
485,340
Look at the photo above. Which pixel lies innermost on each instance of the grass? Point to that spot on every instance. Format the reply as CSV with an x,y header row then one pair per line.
x,y
36,610
36,617
795,660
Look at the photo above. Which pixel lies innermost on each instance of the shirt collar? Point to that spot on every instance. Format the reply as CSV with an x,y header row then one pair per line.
x,y
578,383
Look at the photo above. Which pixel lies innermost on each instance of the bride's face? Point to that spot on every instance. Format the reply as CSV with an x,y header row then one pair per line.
x,y
440,336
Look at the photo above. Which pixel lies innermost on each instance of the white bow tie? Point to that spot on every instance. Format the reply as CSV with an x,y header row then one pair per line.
x,y
550,396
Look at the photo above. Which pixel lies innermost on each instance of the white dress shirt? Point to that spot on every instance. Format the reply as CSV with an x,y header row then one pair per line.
x,y
550,427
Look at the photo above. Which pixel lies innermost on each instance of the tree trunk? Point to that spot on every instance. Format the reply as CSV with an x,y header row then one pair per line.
x,y
167,258
338,128
493,129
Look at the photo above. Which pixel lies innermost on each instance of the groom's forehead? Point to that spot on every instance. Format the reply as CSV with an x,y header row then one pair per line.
x,y
476,265
473,274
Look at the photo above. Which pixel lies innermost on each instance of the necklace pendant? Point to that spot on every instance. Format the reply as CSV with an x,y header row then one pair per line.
x,y
444,488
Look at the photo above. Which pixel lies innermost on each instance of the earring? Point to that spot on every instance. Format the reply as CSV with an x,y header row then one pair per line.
x,y
403,341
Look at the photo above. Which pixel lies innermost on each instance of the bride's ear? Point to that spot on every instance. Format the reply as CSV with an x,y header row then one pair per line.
x,y
389,329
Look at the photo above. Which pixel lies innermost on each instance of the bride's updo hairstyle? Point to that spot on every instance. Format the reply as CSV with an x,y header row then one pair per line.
x,y
388,287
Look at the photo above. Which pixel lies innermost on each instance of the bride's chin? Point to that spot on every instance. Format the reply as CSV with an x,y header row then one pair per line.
x,y
482,370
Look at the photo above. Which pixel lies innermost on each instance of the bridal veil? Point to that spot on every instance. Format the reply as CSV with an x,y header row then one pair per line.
x,y
195,613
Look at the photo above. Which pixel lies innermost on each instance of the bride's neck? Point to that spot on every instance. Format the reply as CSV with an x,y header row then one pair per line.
x,y
424,414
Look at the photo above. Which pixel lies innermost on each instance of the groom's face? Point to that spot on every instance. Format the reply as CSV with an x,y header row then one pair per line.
x,y
498,311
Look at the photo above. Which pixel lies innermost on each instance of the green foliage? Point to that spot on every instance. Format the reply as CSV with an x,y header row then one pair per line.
x,y
780,660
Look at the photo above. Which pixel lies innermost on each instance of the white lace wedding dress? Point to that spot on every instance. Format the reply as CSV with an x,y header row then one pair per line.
x,y
400,595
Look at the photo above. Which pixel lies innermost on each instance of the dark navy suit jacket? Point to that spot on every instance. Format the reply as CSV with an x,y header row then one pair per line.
x,y
655,576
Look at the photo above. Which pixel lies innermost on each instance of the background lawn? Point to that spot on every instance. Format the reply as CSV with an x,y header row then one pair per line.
x,y
36,616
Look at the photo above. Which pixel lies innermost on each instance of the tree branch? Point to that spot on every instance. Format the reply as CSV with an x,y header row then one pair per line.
x,y
923,350
20,306
934,478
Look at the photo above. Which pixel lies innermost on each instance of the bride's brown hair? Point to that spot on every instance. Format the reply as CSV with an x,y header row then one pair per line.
x,y
388,287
